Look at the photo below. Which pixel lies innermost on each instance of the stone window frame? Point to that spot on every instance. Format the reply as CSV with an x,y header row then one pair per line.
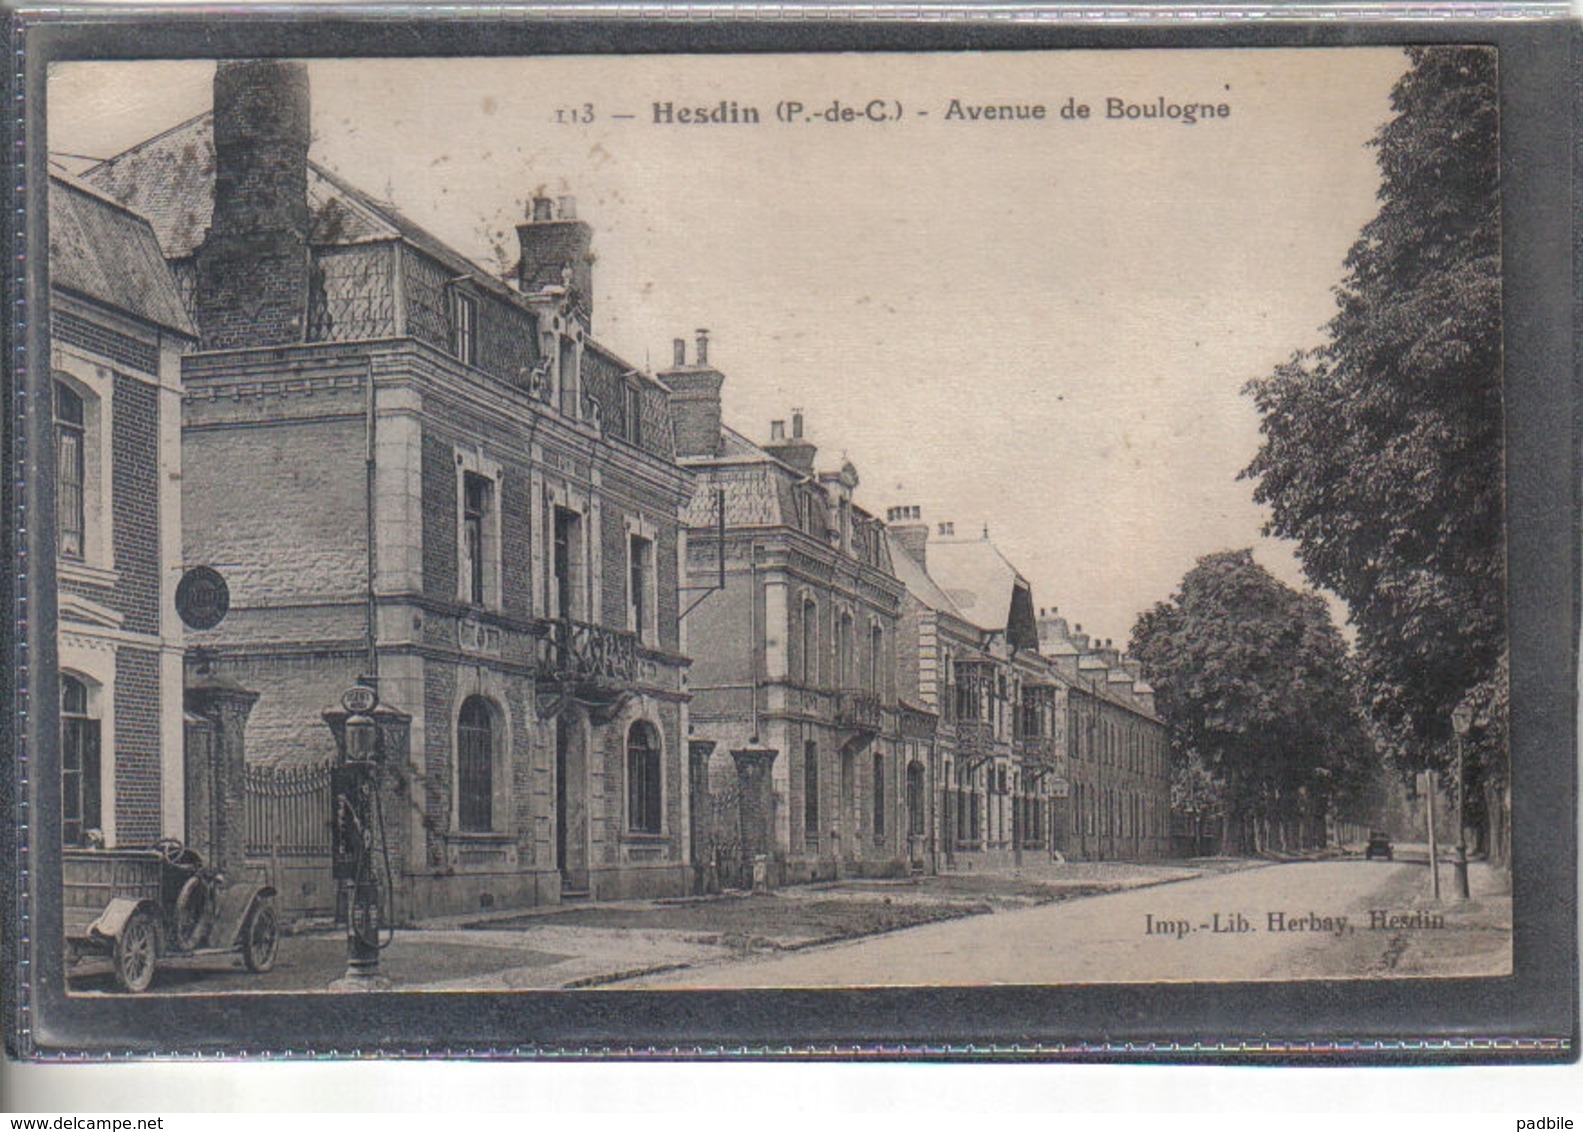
x,y
91,661
462,312
568,344
808,638
475,463
917,794
643,617
94,386
489,693
587,590
811,804
87,721
876,657
632,406
843,628
652,801
879,824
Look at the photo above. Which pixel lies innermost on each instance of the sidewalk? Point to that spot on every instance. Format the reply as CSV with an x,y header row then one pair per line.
x,y
1477,937
603,943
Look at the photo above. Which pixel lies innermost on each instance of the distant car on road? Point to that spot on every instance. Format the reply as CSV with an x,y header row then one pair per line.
x,y
1379,846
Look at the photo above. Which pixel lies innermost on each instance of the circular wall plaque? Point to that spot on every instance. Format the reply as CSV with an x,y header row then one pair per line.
x,y
202,598
359,699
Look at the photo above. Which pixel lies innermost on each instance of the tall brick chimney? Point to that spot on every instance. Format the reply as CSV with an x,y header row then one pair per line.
x,y
1053,628
556,250
695,402
908,528
798,450
252,267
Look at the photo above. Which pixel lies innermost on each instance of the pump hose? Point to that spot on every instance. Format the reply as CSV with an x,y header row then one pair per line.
x,y
390,885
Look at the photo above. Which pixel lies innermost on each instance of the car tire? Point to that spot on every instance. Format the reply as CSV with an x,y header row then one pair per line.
x,y
261,937
136,953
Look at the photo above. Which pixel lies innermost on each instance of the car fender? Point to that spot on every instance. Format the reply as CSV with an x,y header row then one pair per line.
x,y
115,915
235,903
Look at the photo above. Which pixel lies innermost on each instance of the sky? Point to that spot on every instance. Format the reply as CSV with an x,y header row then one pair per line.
x,y
1041,327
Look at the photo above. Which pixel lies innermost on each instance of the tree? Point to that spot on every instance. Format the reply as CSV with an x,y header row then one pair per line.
x,y
1252,679
1382,452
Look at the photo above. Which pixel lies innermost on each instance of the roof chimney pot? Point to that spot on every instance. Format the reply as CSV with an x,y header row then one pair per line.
x,y
679,352
777,431
703,347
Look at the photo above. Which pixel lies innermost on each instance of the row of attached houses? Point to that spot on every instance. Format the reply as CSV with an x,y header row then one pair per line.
x,y
631,651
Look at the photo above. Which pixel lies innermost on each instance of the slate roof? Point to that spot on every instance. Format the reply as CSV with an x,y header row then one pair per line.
x,y
164,179
977,578
918,581
170,179
107,253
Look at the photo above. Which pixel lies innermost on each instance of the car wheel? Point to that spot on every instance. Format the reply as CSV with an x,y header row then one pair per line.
x,y
260,937
136,953
194,914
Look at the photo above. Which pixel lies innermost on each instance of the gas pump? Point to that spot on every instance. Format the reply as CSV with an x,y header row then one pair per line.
x,y
358,837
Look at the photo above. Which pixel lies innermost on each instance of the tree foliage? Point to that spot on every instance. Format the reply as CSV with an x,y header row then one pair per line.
x,y
1252,679
1382,452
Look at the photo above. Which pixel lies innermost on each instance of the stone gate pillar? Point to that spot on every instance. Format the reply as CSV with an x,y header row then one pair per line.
x,y
216,770
755,793
699,751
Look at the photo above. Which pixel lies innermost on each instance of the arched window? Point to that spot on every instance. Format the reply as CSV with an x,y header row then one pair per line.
x,y
643,779
79,763
810,643
71,477
475,766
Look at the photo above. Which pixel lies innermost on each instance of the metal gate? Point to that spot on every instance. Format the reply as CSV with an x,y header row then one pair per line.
x,y
723,839
288,826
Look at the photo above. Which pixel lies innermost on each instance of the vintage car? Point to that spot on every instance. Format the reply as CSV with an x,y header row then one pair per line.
x,y
136,906
1379,846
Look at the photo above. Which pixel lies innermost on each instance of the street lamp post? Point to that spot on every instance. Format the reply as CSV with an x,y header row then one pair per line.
x,y
1461,723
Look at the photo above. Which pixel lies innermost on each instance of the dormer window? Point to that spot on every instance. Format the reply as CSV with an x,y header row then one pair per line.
x,y
464,327
570,379
71,496
634,414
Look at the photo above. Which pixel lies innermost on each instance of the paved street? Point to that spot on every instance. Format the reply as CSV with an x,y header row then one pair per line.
x,y
1049,923
1303,920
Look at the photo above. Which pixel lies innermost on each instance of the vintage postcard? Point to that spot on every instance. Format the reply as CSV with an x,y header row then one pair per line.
x,y
769,521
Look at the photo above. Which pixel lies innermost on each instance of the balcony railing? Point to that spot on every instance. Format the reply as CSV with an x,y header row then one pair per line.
x,y
974,738
858,711
576,652
1038,750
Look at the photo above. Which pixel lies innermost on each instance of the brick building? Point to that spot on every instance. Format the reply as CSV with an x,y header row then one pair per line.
x,y
117,333
1045,746
1117,757
802,748
413,473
